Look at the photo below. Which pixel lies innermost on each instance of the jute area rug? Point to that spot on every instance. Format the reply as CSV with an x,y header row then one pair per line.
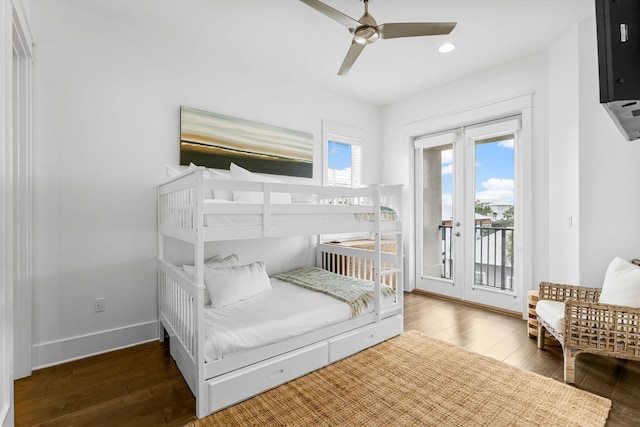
x,y
412,380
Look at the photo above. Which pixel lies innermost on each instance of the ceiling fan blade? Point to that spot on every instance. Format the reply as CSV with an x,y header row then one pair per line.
x,y
352,55
413,29
336,15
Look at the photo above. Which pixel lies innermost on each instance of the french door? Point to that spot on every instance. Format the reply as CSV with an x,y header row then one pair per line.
x,y
467,214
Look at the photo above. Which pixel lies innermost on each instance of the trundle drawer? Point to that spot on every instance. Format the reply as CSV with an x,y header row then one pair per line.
x,y
244,383
351,343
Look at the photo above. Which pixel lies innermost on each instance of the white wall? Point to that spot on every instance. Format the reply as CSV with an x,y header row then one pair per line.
x,y
107,95
564,149
609,175
525,75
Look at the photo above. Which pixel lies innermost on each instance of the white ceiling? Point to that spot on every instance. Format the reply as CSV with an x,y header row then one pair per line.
x,y
291,39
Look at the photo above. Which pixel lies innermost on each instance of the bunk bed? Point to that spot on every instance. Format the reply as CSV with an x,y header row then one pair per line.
x,y
220,375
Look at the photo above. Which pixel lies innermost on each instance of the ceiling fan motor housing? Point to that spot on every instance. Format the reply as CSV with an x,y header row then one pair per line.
x,y
368,32
365,34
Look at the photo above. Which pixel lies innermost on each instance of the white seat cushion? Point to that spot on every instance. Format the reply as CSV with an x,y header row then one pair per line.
x,y
552,312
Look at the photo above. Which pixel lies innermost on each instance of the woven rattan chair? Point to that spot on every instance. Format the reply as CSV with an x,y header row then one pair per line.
x,y
587,326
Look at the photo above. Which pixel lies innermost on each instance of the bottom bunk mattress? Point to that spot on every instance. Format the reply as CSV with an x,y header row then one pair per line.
x,y
284,311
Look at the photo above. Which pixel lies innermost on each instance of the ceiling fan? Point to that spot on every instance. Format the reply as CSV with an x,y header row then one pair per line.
x,y
366,30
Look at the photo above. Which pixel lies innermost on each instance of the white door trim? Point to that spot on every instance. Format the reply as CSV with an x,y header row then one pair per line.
x,y
15,37
6,216
23,197
522,105
469,116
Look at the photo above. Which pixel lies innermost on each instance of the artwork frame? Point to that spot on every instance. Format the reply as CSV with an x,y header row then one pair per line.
x,y
215,141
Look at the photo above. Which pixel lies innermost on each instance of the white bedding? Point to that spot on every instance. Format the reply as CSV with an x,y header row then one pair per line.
x,y
284,311
215,220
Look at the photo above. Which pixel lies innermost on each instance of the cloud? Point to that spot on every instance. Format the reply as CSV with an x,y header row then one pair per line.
x,y
447,169
506,144
446,156
498,184
496,189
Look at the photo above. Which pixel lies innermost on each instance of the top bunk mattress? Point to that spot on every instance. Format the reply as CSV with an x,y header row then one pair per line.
x,y
285,311
307,216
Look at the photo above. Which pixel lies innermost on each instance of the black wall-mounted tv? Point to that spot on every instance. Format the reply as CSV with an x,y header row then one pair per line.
x,y
618,30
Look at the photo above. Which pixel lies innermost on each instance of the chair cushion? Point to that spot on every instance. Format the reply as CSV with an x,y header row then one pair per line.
x,y
621,284
552,313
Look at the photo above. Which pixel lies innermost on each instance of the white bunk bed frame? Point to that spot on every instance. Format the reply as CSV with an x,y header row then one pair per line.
x,y
181,298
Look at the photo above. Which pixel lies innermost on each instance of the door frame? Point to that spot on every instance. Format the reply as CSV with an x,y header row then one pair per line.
x,y
16,43
506,300
519,105
23,197
441,286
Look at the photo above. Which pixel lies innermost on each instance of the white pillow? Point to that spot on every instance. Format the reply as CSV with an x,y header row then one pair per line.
x,y
221,175
215,261
207,175
241,174
621,284
216,174
228,285
172,172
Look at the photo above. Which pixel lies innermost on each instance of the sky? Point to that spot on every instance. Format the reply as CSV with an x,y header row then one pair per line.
x,y
339,155
494,172
339,163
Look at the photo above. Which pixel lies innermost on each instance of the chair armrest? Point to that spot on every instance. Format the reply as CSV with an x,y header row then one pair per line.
x,y
605,327
558,292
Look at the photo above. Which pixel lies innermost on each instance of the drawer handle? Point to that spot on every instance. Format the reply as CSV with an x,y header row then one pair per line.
x,y
369,337
277,373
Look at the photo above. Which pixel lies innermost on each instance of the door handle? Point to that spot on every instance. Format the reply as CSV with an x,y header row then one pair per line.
x,y
458,234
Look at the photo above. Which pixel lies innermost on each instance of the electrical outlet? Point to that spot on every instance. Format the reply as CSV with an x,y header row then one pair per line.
x,y
100,305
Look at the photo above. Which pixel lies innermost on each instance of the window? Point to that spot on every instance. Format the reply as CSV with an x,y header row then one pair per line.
x,y
342,155
344,164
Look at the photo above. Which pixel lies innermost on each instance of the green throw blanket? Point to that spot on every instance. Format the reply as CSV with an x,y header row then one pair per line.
x,y
355,292
386,214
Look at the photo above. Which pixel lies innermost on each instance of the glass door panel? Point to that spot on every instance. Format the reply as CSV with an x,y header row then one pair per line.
x,y
437,212
494,213
437,252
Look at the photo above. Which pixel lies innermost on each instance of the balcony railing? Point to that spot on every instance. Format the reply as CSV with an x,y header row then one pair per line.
x,y
493,263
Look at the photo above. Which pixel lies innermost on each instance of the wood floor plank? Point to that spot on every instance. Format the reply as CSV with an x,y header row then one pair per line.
x,y
141,386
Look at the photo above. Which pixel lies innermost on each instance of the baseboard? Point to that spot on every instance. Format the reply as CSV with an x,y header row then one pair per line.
x,y
470,303
66,350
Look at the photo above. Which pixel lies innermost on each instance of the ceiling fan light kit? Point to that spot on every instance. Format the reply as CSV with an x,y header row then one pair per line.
x,y
366,30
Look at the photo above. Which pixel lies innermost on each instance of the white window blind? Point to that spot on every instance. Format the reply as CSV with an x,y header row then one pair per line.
x,y
345,164
342,155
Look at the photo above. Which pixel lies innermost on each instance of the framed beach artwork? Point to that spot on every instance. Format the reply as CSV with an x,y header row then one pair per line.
x,y
214,140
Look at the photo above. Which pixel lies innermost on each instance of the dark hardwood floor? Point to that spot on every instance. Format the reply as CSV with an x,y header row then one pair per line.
x,y
141,386
137,386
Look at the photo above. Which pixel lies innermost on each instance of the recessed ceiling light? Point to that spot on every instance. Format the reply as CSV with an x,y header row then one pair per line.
x,y
446,48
